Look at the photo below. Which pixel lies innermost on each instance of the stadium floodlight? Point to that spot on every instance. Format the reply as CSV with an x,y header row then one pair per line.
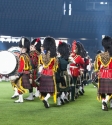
x,y
103,36
101,2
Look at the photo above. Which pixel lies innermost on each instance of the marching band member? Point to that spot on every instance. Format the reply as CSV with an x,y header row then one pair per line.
x,y
103,67
22,82
35,51
76,64
16,52
62,77
49,62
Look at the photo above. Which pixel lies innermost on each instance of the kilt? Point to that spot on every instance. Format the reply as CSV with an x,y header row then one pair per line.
x,y
25,81
105,86
46,84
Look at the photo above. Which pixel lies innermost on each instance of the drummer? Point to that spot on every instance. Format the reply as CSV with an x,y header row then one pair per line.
x,y
16,52
22,82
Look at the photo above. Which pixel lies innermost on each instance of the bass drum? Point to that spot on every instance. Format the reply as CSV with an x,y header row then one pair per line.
x,y
8,63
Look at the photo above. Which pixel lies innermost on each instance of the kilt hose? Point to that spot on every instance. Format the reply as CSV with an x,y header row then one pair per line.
x,y
105,85
46,84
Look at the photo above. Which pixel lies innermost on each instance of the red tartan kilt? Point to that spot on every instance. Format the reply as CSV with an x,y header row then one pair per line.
x,y
25,81
105,86
46,84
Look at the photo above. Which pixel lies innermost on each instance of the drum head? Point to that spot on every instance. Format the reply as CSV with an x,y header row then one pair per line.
x,y
8,62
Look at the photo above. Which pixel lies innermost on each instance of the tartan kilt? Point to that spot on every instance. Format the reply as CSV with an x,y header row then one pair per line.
x,y
105,86
25,81
46,84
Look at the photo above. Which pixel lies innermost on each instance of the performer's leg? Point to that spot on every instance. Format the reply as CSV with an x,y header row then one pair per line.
x,y
37,92
45,100
66,97
20,100
30,97
62,97
77,92
72,92
73,89
58,99
104,102
80,90
16,94
82,87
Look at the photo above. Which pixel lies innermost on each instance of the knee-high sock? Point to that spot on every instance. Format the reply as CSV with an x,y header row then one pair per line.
x,y
47,96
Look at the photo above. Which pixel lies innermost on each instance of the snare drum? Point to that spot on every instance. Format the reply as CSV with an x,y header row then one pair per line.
x,y
8,63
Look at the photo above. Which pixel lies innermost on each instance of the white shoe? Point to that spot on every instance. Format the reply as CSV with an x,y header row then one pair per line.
x,y
102,107
20,100
30,98
37,93
17,101
46,104
16,94
105,106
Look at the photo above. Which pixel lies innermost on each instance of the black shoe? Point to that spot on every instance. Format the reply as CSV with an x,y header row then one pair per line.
x,y
105,106
76,97
34,96
14,97
81,93
45,104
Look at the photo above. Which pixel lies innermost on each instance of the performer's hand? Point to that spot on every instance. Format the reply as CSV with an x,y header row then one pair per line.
x,y
72,60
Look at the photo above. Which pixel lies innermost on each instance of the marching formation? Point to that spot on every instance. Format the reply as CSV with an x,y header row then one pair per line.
x,y
59,72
